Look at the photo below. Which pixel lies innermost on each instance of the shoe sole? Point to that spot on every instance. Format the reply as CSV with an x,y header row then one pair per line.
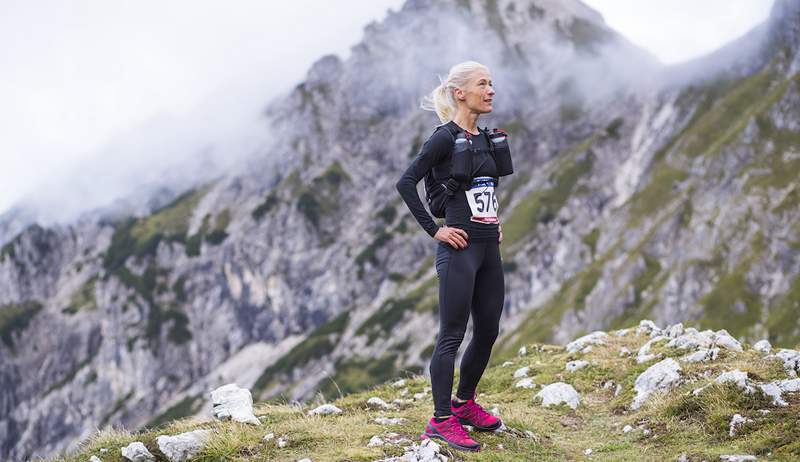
x,y
483,429
449,443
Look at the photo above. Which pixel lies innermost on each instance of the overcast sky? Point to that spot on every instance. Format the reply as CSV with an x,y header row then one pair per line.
x,y
76,74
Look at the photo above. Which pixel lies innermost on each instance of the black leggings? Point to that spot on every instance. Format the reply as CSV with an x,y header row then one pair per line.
x,y
470,280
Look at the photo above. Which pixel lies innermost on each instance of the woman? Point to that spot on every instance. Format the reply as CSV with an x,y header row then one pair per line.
x,y
467,255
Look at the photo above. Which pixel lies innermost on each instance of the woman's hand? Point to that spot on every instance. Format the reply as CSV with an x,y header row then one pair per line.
x,y
456,237
500,229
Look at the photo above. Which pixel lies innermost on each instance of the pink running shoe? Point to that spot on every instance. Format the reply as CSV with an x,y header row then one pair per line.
x,y
451,432
471,413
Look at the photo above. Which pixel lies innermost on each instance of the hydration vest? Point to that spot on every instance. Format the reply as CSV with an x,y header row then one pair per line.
x,y
439,188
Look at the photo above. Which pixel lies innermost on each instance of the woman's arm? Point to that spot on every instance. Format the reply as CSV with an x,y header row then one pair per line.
x,y
431,153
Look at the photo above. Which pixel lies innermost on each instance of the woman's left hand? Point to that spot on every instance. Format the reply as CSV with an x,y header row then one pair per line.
x,y
500,229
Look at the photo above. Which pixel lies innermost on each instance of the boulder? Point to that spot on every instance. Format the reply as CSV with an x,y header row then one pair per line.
x,y
573,366
377,403
183,446
231,402
558,393
661,376
137,452
595,338
737,378
325,409
703,354
525,383
763,346
736,423
521,372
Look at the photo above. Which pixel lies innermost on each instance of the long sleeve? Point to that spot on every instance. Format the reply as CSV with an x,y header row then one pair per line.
x,y
431,153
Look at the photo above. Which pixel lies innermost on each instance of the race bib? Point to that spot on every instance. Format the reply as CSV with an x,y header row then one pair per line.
x,y
482,200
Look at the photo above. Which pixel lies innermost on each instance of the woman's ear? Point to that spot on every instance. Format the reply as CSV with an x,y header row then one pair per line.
x,y
458,93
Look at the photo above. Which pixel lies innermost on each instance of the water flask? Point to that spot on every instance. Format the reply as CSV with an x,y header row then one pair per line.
x,y
462,158
502,153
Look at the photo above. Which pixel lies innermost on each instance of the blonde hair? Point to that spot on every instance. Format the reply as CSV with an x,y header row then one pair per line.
x,y
441,99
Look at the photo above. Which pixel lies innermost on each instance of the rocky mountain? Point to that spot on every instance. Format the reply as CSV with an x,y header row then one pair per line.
x,y
641,191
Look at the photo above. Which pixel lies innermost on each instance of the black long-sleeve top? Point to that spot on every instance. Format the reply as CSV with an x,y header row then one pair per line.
x,y
436,154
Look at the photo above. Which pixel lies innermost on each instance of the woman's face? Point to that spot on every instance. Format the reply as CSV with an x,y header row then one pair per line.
x,y
478,93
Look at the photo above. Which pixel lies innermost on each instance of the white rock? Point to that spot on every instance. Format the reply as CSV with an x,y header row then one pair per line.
x,y
325,409
648,327
399,383
621,332
737,422
587,349
420,395
737,458
94,459
674,331
789,385
627,429
659,377
791,361
691,339
736,377
702,354
724,339
521,372
525,383
507,363
573,366
557,393
522,351
763,346
494,411
268,437
587,452
103,450
646,432
624,352
595,338
618,389
137,452
644,354
183,446
376,402
304,460
282,442
375,441
389,420
404,392
773,391
231,402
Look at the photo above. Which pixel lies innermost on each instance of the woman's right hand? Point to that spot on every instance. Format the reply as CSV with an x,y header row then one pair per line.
x,y
456,237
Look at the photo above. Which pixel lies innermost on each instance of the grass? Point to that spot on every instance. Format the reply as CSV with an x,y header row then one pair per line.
x,y
679,422
15,318
83,298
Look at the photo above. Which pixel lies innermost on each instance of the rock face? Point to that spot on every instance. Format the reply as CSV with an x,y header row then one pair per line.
x,y
649,190
231,402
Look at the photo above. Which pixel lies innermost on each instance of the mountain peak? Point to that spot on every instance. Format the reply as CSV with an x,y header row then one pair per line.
x,y
784,26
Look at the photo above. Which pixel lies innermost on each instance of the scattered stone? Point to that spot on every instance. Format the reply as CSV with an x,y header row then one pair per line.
x,y
587,349
304,460
587,452
648,327
420,395
495,411
683,458
644,354
389,420
618,390
404,392
399,383
627,429
621,332
595,338
325,409
137,452
736,423
701,355
724,339
500,447
660,376
525,383
507,363
737,378
282,442
791,361
375,441
764,411
763,346
183,446
521,372
773,391
522,351
789,385
573,366
557,393
268,437
529,434
427,451
103,450
646,432
737,458
95,459
674,331
623,352
231,402
378,403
